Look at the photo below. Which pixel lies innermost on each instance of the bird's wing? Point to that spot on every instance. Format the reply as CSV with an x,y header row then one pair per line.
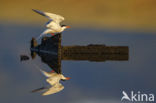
x,y
51,16
54,89
55,17
54,79
39,89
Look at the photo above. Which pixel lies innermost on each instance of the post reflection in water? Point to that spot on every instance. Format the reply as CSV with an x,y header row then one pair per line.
x,y
52,53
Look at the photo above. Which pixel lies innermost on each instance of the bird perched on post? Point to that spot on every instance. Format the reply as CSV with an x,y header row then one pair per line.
x,y
53,25
53,79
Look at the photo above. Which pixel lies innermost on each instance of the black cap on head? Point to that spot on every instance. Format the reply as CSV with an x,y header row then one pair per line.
x,y
63,25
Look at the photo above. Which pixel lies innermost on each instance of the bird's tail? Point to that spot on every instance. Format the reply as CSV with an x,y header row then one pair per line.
x,y
44,33
45,73
39,36
42,71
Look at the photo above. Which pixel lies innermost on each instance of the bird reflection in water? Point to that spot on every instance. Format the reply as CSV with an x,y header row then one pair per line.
x,y
53,79
52,53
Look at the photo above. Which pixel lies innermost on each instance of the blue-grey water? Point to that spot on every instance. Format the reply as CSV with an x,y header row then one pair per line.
x,y
92,82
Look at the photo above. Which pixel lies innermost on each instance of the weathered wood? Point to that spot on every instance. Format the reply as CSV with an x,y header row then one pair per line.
x,y
59,49
92,52
52,53
95,52
49,50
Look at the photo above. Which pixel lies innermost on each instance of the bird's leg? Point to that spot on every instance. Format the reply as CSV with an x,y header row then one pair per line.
x,y
52,34
52,71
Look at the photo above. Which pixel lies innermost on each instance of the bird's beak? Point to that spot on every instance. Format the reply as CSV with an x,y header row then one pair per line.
x,y
67,78
67,26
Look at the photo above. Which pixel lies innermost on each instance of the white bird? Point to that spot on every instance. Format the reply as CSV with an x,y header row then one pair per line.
x,y
54,80
53,25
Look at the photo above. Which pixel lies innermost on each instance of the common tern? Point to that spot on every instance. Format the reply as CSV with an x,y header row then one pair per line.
x,y
53,79
53,25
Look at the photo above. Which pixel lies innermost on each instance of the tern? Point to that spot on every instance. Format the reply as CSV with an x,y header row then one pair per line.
x,y
54,80
53,25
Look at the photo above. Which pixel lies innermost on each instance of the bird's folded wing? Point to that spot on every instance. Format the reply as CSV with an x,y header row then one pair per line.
x,y
54,89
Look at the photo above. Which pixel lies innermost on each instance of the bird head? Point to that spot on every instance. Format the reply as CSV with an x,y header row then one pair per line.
x,y
65,26
66,78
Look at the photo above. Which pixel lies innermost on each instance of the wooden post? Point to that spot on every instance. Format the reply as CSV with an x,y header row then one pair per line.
x,y
59,51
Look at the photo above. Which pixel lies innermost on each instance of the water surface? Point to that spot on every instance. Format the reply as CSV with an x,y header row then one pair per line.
x,y
92,82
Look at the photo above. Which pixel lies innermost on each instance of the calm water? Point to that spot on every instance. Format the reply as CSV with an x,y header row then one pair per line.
x,y
92,82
